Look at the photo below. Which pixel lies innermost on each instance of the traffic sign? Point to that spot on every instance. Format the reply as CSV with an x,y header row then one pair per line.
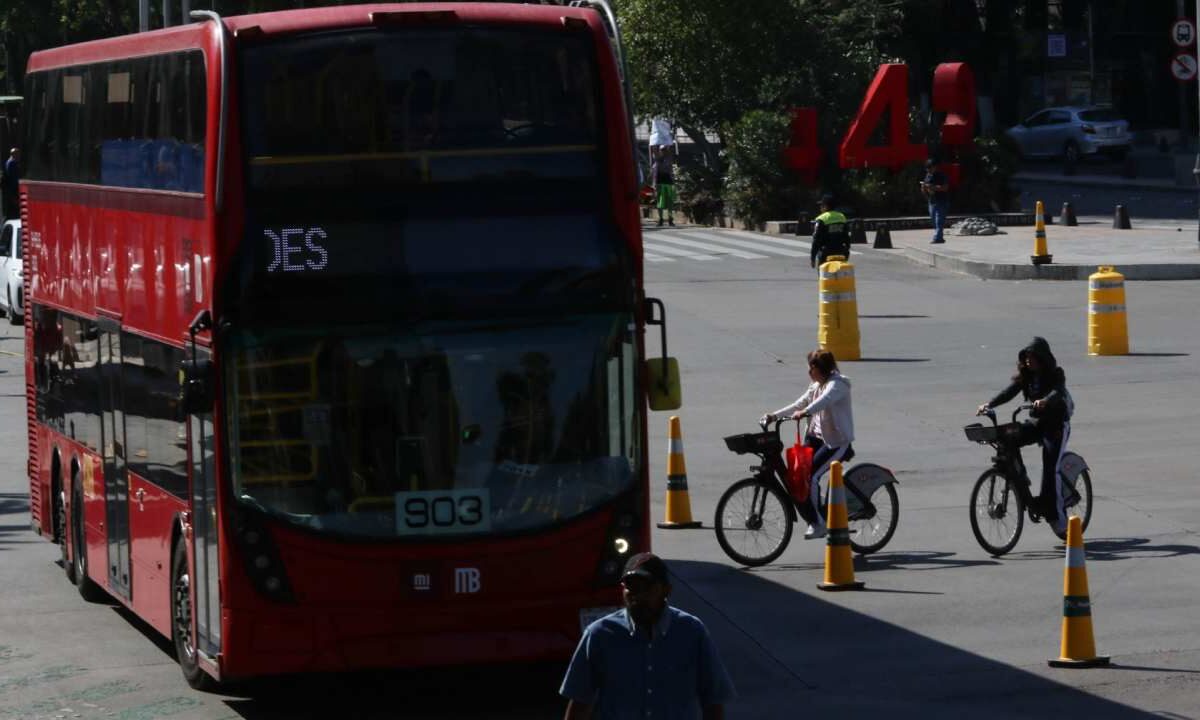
x,y
1183,33
1183,67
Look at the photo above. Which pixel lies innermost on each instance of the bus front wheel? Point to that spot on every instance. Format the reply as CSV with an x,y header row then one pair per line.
x,y
181,623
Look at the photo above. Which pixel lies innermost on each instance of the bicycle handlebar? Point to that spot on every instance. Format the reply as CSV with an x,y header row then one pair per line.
x,y
990,413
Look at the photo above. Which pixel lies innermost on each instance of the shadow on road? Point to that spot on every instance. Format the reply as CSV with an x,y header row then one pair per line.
x,y
1158,354
14,503
1107,549
504,693
781,641
890,317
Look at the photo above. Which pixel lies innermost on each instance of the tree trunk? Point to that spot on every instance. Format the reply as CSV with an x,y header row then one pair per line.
x,y
711,152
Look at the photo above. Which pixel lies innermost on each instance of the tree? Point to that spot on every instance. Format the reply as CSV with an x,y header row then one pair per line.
x,y
706,63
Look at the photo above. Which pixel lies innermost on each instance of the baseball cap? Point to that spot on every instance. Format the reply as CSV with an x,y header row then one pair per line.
x,y
647,565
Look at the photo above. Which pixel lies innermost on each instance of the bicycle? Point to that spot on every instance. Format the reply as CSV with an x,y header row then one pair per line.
x,y
1003,492
759,511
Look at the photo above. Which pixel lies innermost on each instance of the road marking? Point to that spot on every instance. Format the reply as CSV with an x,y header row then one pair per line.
x,y
708,246
651,257
791,242
752,245
667,250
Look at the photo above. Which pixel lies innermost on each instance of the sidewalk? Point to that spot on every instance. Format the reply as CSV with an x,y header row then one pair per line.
x,y
1139,254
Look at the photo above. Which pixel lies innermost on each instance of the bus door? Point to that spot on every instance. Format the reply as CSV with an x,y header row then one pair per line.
x,y
201,464
112,442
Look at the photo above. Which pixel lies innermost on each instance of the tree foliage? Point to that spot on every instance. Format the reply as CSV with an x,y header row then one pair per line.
x,y
706,63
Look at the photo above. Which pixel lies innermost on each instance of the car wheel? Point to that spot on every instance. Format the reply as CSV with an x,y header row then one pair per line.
x,y
1071,152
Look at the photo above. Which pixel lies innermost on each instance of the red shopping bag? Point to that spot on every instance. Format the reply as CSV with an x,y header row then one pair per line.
x,y
799,467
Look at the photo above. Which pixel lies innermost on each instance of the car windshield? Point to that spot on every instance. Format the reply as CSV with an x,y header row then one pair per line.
x,y
1098,116
460,428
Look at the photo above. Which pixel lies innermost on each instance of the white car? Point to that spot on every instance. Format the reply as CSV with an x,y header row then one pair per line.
x,y
12,292
1073,132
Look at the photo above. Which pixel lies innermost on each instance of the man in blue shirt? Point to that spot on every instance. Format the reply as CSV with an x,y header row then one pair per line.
x,y
936,189
649,661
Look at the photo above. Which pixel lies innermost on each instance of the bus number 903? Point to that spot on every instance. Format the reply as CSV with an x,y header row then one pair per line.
x,y
435,512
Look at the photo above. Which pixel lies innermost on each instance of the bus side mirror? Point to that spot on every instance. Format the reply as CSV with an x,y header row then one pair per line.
x,y
662,379
663,390
196,387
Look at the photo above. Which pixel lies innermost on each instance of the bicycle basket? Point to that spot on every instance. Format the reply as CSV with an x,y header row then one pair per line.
x,y
980,433
754,443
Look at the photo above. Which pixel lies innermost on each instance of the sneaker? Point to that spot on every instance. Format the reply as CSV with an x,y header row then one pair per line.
x,y
937,242
1059,526
671,222
660,223
815,532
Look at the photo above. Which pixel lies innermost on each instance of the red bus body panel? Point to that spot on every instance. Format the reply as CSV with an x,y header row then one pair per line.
x,y
127,253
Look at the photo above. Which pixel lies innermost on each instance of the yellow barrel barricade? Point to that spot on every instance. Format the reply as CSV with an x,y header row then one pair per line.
x,y
1108,330
837,327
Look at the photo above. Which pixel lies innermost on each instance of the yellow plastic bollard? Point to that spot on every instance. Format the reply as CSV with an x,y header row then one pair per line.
x,y
837,328
1041,253
1108,329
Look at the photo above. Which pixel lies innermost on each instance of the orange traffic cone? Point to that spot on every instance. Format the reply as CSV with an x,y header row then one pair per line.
x,y
1041,254
679,507
1078,645
839,566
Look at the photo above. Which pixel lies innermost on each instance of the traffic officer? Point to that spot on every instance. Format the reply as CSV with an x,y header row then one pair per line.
x,y
831,234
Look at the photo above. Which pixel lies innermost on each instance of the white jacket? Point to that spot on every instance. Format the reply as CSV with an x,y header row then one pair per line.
x,y
829,405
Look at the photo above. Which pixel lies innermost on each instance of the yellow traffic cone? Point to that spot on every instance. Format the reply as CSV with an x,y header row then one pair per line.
x,y
1041,254
679,507
839,566
1078,645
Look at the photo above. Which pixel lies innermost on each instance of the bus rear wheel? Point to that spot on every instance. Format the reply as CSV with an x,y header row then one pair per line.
x,y
88,590
181,623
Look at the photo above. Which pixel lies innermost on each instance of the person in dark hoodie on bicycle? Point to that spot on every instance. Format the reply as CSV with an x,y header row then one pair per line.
x,y
1043,384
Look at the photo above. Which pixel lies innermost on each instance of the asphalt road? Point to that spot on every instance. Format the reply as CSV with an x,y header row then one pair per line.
x,y
942,629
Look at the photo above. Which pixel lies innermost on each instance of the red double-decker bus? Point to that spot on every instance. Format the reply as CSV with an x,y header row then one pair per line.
x,y
335,332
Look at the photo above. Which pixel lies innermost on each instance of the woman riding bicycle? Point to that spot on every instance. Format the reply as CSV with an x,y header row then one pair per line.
x,y
1043,383
830,433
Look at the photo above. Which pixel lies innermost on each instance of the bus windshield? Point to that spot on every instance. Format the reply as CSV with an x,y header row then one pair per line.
x,y
371,108
460,428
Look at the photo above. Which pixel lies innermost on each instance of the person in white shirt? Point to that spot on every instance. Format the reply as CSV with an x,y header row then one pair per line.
x,y
830,432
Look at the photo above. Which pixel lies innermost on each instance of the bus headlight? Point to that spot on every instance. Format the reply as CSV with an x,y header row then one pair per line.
x,y
622,545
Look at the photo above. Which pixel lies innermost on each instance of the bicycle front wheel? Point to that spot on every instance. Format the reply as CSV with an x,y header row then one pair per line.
x,y
997,513
872,526
753,523
1078,500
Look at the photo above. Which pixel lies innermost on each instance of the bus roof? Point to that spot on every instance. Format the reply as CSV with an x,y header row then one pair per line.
x,y
288,22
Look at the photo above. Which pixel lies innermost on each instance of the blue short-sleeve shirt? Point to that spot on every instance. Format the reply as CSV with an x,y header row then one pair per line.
x,y
628,675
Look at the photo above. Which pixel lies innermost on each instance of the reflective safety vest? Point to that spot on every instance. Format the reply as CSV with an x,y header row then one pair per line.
x,y
832,219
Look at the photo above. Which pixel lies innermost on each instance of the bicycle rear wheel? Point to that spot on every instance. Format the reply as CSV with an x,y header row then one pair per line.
x,y
1078,500
872,528
997,513
753,523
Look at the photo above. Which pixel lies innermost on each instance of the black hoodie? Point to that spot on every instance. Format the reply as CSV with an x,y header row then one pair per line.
x,y
1050,384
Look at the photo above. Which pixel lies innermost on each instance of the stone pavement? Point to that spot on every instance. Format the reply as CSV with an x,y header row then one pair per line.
x,y
1145,253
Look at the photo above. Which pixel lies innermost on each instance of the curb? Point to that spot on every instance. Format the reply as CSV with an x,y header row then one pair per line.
x,y
1004,271
919,222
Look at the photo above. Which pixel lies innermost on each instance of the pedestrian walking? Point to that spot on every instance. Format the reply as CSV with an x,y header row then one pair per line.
x,y
831,235
936,189
663,173
9,202
649,660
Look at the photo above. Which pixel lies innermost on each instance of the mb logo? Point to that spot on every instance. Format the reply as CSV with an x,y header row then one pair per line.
x,y
466,580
